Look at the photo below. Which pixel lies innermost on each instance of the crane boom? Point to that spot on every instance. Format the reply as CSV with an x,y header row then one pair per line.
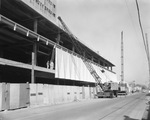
x,y
64,26
87,63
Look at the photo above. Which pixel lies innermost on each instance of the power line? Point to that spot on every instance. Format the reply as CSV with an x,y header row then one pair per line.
x,y
131,18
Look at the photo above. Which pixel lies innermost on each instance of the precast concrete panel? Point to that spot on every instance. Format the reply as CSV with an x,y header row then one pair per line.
x,y
59,97
87,93
7,96
4,96
68,93
93,92
65,94
55,93
33,95
76,93
80,93
71,93
51,94
14,96
90,92
39,94
46,94
24,95
83,92
61,94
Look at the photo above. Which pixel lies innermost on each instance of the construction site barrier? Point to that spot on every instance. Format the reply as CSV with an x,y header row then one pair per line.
x,y
13,96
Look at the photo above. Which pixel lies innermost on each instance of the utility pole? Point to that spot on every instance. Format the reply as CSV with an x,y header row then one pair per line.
x,y
148,57
122,59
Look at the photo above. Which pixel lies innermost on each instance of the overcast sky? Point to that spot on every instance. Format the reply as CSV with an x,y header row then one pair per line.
x,y
98,24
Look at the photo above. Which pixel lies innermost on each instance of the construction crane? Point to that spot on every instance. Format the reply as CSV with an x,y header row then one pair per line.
x,y
103,92
77,46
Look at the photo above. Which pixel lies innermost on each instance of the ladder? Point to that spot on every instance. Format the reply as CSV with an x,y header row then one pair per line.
x,y
85,61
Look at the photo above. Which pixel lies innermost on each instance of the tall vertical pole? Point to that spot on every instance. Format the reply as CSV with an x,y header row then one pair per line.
x,y
148,57
122,59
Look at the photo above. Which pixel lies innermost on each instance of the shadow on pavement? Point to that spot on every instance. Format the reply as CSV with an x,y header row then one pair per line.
x,y
128,118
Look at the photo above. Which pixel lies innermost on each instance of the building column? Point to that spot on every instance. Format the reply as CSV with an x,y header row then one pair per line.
x,y
111,68
92,59
32,71
35,44
73,48
99,62
34,54
107,67
0,6
58,38
84,54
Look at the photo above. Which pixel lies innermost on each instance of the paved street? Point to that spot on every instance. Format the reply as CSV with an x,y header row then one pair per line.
x,y
130,107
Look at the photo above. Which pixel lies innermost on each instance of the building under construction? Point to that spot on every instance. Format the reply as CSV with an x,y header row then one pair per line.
x,y
42,63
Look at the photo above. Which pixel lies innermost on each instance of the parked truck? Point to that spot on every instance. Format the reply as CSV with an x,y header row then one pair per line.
x,y
123,88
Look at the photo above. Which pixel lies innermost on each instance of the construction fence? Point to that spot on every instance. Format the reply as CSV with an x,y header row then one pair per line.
x,y
14,96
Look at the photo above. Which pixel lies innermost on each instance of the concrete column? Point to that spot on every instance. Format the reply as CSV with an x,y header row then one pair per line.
x,y
0,5
84,54
35,44
107,67
73,48
92,58
32,71
58,39
111,68
103,64
34,54
99,62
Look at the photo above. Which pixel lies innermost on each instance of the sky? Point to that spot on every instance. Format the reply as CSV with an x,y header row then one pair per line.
x,y
98,24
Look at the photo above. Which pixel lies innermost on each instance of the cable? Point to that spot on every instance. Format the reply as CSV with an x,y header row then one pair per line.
x,y
131,18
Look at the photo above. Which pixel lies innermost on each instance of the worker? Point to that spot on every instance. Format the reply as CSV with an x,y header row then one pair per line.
x,y
51,65
47,64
